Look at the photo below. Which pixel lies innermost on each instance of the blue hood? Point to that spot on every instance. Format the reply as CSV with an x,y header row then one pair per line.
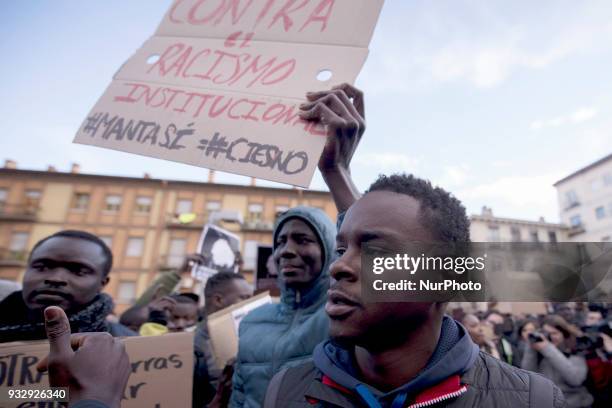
x,y
325,230
454,354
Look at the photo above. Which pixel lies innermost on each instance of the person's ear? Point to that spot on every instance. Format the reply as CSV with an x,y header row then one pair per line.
x,y
218,300
105,280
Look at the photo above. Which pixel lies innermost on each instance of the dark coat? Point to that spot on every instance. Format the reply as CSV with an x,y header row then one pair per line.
x,y
489,383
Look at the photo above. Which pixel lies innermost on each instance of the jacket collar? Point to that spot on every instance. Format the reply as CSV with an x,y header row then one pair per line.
x,y
329,391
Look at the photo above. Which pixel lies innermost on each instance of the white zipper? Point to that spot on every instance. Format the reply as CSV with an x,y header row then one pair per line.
x,y
441,398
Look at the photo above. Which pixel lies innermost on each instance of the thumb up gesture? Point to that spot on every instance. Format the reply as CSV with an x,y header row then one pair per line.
x,y
94,366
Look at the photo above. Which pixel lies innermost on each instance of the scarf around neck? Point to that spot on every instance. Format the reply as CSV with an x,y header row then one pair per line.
x,y
15,325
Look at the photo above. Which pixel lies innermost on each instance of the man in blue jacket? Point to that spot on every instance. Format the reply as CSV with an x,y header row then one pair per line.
x,y
277,336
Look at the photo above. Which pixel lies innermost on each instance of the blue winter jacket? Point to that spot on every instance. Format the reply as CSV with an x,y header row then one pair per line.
x,y
276,336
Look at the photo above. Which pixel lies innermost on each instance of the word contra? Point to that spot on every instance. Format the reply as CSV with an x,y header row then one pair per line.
x,y
290,14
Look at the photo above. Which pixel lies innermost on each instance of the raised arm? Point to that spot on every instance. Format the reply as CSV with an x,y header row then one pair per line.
x,y
341,110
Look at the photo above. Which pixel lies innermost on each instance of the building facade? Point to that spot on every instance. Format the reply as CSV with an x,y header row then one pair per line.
x,y
585,202
488,228
150,224
485,227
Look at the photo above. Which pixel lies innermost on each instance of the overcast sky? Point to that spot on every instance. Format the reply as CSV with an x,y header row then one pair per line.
x,y
492,100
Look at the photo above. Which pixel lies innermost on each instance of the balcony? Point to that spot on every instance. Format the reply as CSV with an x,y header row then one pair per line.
x,y
257,225
11,257
19,212
576,230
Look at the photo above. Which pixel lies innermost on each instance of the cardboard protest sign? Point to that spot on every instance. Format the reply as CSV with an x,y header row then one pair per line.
x,y
220,248
223,327
220,83
162,371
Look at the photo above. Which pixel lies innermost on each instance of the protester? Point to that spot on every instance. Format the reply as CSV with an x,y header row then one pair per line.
x,y
597,348
553,354
525,327
502,331
276,336
175,313
222,290
68,269
382,354
477,333
94,367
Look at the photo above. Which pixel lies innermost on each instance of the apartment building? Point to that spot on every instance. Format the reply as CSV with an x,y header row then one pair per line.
x,y
150,224
485,227
585,202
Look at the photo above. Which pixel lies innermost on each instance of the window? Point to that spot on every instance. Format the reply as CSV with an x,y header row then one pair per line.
x,y
280,209
596,184
134,247
108,240
575,221
126,292
176,252
571,199
80,201
493,233
3,198
533,236
515,232
183,206
552,237
607,179
213,206
113,203
250,254
19,241
254,212
32,198
143,205
600,213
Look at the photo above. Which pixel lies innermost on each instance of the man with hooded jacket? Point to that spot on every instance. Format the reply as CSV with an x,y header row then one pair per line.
x,y
277,336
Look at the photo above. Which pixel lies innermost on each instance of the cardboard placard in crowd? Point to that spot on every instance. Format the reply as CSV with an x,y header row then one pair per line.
x,y
223,327
162,370
220,83
220,249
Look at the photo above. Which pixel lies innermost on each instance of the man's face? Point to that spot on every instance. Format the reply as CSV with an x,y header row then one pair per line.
x,y
475,329
593,318
567,312
65,272
386,221
182,316
298,254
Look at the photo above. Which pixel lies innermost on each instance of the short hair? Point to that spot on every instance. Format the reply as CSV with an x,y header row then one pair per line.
x,y
442,213
187,297
108,255
218,280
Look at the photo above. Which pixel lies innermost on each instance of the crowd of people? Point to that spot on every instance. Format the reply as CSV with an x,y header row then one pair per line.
x,y
323,344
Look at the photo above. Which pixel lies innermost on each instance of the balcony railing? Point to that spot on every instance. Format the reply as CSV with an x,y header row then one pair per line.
x,y
18,212
576,229
11,257
257,225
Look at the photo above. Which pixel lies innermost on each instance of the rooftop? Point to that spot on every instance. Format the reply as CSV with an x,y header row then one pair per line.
x,y
585,169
